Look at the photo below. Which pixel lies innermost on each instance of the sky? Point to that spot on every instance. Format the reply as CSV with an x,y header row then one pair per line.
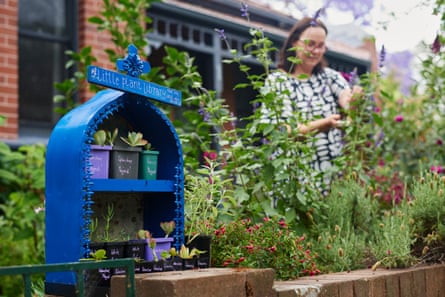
x,y
399,25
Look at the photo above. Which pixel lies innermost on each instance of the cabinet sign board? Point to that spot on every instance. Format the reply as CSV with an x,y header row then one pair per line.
x,y
131,82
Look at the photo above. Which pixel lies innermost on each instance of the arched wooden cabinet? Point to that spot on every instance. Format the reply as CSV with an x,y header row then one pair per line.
x,y
73,197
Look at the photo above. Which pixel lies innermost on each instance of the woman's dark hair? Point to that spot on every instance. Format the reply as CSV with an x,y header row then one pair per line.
x,y
294,35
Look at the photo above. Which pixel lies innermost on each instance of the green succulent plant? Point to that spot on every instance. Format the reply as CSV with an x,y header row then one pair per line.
x,y
105,137
134,139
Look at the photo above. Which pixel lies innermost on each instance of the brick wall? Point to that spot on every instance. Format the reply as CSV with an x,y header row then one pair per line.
x,y
9,93
89,36
9,68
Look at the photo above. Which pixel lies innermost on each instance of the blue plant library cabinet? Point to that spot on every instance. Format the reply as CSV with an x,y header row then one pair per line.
x,y
73,197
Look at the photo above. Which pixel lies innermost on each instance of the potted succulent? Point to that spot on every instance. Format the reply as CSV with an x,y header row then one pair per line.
x,y
172,258
125,159
156,245
152,254
100,153
148,163
189,257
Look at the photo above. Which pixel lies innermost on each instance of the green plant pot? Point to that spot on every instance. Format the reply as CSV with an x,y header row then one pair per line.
x,y
148,165
124,162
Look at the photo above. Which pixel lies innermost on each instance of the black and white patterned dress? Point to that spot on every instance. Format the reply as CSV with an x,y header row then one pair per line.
x,y
314,98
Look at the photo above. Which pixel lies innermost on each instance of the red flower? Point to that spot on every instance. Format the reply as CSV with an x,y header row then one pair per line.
x,y
398,118
282,224
437,169
272,249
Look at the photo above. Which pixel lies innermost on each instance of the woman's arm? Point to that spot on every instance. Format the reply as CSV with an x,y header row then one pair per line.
x,y
324,124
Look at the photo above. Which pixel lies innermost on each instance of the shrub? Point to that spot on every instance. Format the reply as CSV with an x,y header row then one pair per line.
x,y
267,244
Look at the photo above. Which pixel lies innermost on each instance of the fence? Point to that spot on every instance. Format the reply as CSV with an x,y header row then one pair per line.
x,y
79,267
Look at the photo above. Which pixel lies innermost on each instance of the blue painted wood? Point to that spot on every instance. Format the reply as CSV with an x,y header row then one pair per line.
x,y
136,185
134,67
70,188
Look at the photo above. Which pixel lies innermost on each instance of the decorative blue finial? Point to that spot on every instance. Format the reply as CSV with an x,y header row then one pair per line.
x,y
132,63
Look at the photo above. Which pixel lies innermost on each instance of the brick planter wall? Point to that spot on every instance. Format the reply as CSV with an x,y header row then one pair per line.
x,y
426,281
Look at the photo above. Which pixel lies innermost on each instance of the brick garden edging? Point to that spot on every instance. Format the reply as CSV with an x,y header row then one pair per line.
x,y
425,281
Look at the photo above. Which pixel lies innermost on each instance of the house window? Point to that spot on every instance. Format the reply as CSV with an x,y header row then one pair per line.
x,y
46,31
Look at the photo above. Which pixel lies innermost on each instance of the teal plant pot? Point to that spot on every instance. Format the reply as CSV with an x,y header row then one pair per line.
x,y
148,165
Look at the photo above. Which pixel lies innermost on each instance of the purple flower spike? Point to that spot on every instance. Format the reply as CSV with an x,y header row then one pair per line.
x,y
382,56
435,47
244,10
221,34
315,17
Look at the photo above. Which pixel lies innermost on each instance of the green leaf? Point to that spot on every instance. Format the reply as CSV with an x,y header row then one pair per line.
x,y
96,20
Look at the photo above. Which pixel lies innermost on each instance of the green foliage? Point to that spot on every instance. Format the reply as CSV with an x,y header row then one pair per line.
x,y
22,214
124,20
105,137
345,225
206,196
69,88
428,215
394,237
134,139
269,243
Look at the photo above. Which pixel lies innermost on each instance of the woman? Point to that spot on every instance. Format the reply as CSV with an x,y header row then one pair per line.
x,y
318,93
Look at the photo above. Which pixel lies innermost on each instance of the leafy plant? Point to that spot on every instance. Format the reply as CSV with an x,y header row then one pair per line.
x,y
100,137
394,239
108,217
22,215
134,139
105,137
187,253
267,244
168,227
152,245
204,196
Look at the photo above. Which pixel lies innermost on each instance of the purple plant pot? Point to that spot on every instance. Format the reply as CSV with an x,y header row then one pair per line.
x,y
162,244
100,160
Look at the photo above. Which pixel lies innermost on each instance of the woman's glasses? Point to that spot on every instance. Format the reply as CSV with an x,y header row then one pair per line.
x,y
311,45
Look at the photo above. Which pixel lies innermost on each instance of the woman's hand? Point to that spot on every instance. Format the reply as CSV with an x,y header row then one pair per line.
x,y
350,95
321,125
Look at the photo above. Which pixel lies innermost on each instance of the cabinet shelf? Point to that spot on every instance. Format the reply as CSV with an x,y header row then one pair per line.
x,y
132,185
